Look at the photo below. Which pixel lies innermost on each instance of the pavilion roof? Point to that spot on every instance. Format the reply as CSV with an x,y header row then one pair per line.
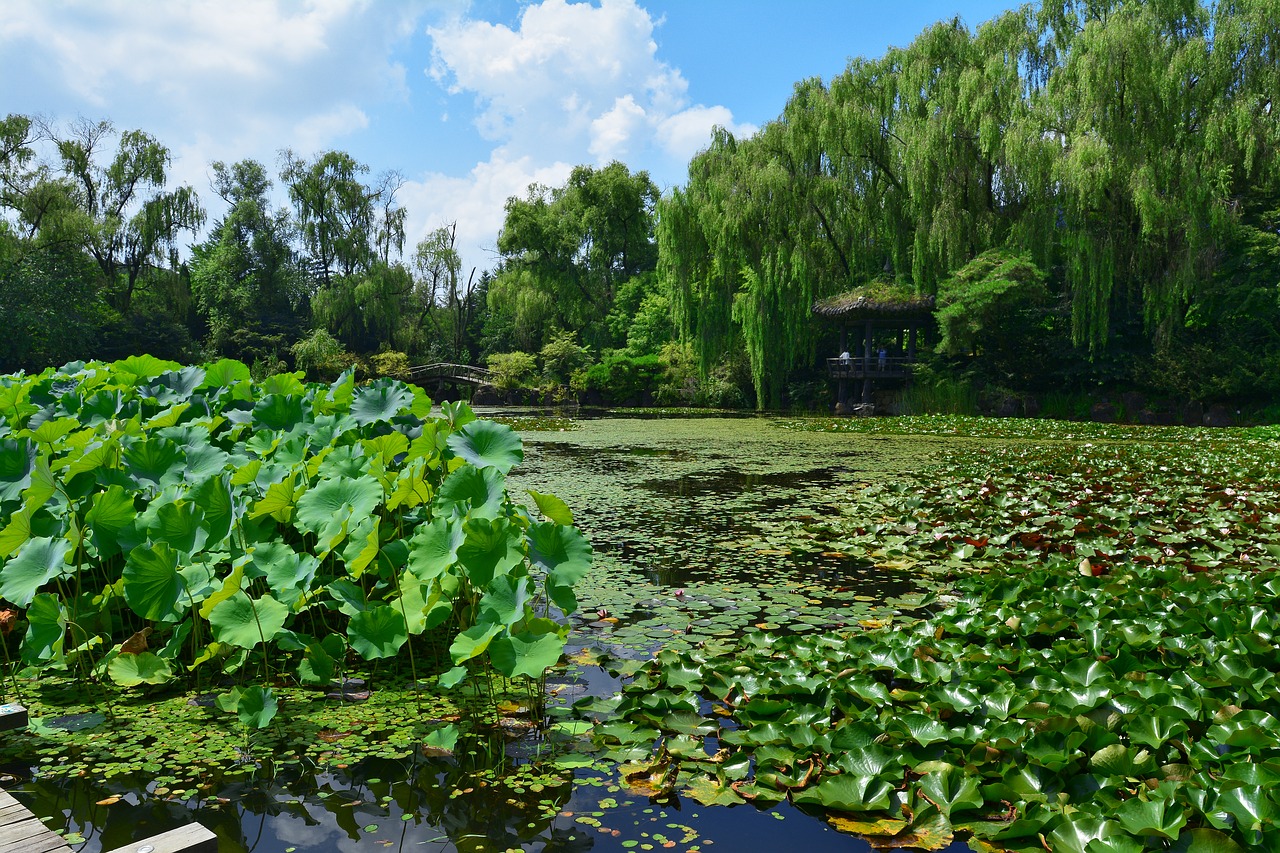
x,y
877,299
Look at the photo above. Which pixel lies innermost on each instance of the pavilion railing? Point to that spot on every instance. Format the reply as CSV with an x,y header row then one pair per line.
x,y
870,367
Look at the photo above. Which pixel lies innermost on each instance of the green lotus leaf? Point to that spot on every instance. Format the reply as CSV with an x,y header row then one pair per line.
x,y
452,678
225,372
443,739
922,729
144,668
319,660
155,462
47,620
349,596
688,723
552,507
1249,805
472,492
37,562
565,555
709,791
289,384
220,506
1154,730
412,603
457,413
386,447
506,599
1152,818
378,632
434,547
380,401
278,413
156,589
472,642
111,512
1075,831
491,548
337,500
487,444
140,368
48,433
287,572
1086,671
1205,841
525,654
256,707
951,790
180,525
245,622
17,461
1116,844
849,794
363,545
16,533
869,760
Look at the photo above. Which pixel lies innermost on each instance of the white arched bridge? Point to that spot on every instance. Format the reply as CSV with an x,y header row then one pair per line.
x,y
444,371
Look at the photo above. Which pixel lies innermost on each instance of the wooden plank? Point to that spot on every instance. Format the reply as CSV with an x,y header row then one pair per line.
x,y
12,716
192,838
23,832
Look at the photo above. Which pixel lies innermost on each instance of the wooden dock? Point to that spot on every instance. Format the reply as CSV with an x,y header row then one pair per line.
x,y
23,832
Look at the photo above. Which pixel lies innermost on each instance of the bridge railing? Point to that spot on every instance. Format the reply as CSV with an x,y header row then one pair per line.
x,y
457,372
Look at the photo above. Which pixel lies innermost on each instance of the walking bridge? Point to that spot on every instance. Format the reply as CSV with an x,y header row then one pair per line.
x,y
443,371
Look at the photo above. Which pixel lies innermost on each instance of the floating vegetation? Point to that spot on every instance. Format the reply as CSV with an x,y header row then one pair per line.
x,y
1030,429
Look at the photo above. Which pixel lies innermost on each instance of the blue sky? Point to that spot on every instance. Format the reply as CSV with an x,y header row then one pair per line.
x,y
469,101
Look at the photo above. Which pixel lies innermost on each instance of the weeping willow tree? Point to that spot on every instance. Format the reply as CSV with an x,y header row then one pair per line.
x,y
1114,144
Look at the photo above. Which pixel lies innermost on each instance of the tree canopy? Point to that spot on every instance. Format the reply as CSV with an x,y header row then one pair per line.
x,y
1117,145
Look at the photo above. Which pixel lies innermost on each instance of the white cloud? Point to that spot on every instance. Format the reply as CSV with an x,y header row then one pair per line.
x,y
476,201
612,131
573,82
685,133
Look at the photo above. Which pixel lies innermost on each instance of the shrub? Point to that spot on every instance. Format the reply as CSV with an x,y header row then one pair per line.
x,y
511,369
621,378
562,356
321,356
391,363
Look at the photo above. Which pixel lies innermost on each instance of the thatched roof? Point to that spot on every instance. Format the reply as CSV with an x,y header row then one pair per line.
x,y
878,299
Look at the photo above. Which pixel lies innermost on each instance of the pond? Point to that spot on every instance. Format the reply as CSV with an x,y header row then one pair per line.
x,y
705,529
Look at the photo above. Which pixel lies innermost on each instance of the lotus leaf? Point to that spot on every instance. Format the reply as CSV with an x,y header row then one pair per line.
x,y
380,401
951,790
492,548
17,461
378,632
39,561
475,493
143,668
256,707
848,793
552,507
336,501
156,589
472,642
434,547
245,622
565,555
46,633
525,653
487,444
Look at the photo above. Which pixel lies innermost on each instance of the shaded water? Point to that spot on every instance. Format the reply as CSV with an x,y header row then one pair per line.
x,y
689,519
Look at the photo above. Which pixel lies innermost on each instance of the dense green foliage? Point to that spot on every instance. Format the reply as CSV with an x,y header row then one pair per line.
x,y
282,526
1128,150
1098,675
